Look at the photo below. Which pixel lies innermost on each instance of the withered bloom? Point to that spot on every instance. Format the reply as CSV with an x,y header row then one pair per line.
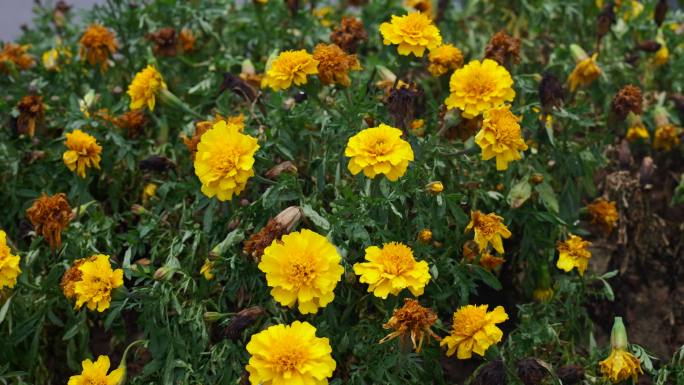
x,y
98,44
31,114
349,34
411,321
165,41
276,227
17,55
550,91
503,49
187,40
530,371
660,12
403,102
242,320
493,372
627,100
650,46
570,374
70,277
605,19
132,121
50,215
334,64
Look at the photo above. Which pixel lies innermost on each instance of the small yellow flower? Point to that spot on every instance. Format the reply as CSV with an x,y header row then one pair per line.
x,y
411,321
424,6
290,67
334,64
425,236
391,269
603,213
224,160
489,228
97,282
479,86
666,137
412,33
150,191
444,58
662,55
620,364
302,268
474,330
638,132
289,354
83,152
573,253
9,264
96,373
50,59
206,270
500,137
585,72
435,187
144,88
98,44
379,150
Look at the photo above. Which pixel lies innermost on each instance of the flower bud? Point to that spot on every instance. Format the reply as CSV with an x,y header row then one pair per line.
x,y
536,178
212,316
618,336
435,187
289,218
425,236
163,273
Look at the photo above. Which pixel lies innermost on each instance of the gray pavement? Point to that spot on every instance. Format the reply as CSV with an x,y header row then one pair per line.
x,y
14,13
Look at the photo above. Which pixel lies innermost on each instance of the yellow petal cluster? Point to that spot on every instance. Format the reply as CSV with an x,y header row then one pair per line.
x,y
302,268
474,330
479,86
573,253
379,150
637,132
224,160
290,67
391,269
489,228
500,137
666,137
412,33
96,373
97,281
206,270
604,213
290,354
621,365
585,72
144,88
82,153
443,59
9,264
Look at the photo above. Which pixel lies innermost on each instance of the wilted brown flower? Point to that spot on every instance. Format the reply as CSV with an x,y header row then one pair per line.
x,y
349,34
605,19
403,102
550,91
570,374
165,41
98,44
660,12
530,371
31,114
627,100
503,48
242,320
490,262
411,321
50,215
187,39
650,46
276,227
16,54
71,276
334,64
604,214
132,121
493,372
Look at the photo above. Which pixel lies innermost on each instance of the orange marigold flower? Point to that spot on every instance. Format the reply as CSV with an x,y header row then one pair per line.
x,y
50,215
71,276
132,121
334,64
411,321
98,44
603,213
17,55
31,114
187,39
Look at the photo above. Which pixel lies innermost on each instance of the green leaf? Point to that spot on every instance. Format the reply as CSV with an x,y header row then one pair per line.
x,y
548,197
519,194
315,217
5,308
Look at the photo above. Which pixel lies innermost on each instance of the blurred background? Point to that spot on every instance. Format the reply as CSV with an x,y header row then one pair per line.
x,y
14,13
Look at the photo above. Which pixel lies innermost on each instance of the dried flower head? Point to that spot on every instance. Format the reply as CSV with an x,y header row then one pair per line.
x,y
627,100
604,214
412,34
31,114
165,41
493,372
411,321
242,320
570,374
404,102
550,91
490,262
443,59
349,34
605,19
133,122
503,49
334,64
530,371
16,55
97,45
50,215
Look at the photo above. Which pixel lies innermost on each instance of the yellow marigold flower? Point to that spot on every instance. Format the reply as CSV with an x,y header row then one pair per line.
x,y
662,55
425,236
149,191
144,88
302,268
444,58
411,321
412,33
585,72
98,44
50,58
334,64
50,215
638,132
573,253
479,86
290,67
17,55
603,213
500,137
289,354
379,150
392,269
474,330
9,264
224,161
489,228
70,277
94,289
83,152
620,364
424,6
666,137
96,373
206,270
